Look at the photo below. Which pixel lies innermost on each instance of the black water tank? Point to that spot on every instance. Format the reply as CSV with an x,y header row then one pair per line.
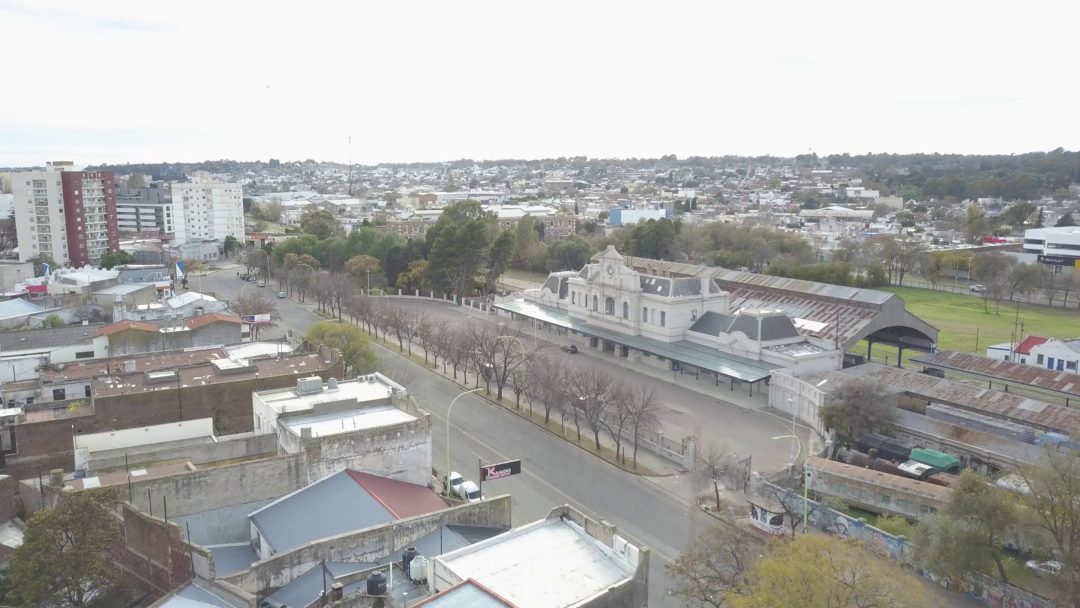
x,y
407,557
376,583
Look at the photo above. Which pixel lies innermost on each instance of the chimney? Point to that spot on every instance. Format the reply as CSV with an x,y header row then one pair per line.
x,y
872,454
337,591
305,432
331,384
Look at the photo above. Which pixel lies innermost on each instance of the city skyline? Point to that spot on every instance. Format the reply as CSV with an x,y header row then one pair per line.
x,y
488,81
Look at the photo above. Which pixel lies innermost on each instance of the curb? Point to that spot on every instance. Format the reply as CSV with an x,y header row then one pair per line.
x,y
512,412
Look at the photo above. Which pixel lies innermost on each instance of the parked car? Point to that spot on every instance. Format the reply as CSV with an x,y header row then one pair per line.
x,y
569,348
282,294
262,283
977,288
455,482
470,492
1051,567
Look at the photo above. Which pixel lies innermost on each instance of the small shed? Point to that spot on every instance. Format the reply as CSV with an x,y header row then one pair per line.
x,y
767,515
939,460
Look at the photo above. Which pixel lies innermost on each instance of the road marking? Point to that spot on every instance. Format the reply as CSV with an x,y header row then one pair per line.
x,y
569,499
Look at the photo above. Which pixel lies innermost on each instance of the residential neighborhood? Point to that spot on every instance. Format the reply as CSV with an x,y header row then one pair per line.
x,y
594,305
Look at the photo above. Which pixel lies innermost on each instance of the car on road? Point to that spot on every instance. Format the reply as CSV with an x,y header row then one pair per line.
x,y
977,288
455,482
470,492
569,348
282,294
262,283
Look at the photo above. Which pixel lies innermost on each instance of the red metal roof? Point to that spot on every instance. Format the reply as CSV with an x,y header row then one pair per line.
x,y
1004,371
1028,343
211,317
401,499
119,326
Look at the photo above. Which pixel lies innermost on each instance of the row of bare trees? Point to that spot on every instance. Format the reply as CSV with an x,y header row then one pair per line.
x,y
501,357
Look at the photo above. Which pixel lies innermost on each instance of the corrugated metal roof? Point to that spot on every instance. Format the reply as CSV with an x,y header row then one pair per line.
x,y
468,594
1040,414
68,335
342,502
1004,371
401,499
307,587
878,478
703,357
18,308
333,505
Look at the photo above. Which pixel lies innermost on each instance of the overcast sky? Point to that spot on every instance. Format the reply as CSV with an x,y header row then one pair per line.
x,y
105,82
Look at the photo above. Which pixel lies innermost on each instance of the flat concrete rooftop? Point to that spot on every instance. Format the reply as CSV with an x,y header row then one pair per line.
x,y
333,423
547,563
287,400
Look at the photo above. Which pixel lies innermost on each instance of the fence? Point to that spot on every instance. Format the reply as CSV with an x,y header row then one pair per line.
x,y
980,587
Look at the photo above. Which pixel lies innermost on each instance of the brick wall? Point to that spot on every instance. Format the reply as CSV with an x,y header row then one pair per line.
x,y
45,445
8,507
153,552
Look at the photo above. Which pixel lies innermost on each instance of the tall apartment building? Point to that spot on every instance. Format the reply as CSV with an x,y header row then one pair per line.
x,y
65,213
205,209
144,210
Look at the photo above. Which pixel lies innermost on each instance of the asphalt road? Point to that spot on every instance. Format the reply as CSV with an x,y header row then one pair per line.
x,y
651,513
554,472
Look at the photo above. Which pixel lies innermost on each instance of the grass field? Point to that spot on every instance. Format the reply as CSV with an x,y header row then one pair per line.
x,y
961,319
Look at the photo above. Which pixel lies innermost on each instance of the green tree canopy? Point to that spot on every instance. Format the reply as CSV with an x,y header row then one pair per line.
x,y
231,245
970,532
815,571
459,242
64,559
357,357
320,223
116,258
569,254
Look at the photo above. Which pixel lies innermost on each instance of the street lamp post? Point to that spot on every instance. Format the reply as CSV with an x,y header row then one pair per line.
x,y
446,473
805,500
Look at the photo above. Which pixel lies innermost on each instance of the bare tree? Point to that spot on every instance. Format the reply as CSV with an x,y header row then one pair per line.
x,y
255,304
856,407
459,352
499,349
714,565
548,385
618,416
644,414
519,381
426,333
715,465
593,389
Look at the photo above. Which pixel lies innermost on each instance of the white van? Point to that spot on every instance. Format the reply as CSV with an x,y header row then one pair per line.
x,y
470,492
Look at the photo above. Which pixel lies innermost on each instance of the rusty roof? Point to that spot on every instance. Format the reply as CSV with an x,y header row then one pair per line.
x,y
1004,371
120,326
878,478
211,317
82,370
202,373
1039,414
401,499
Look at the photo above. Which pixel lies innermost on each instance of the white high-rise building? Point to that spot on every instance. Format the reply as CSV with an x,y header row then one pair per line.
x,y
65,214
205,209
